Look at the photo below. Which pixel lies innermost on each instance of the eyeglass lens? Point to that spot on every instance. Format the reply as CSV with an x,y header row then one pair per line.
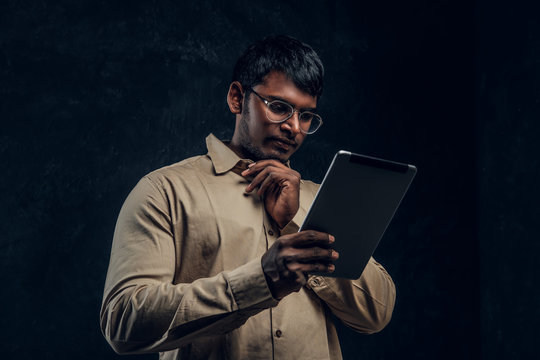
x,y
279,111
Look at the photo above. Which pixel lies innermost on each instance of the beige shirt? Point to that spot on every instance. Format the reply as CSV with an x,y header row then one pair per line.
x,y
185,276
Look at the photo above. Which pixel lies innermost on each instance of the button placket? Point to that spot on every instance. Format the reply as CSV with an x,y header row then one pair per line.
x,y
270,234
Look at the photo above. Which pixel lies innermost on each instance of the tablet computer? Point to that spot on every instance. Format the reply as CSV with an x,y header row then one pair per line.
x,y
355,203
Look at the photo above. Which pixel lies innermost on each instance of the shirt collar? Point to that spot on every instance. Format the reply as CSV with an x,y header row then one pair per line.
x,y
224,159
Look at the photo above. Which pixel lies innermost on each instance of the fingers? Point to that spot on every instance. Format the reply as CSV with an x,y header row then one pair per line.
x,y
312,254
311,267
273,179
307,238
270,175
309,259
306,261
274,169
259,165
291,257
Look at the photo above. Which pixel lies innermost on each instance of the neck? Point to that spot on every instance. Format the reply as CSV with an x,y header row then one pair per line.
x,y
236,149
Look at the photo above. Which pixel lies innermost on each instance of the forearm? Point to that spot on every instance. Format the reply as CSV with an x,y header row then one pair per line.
x,y
156,316
365,304
145,308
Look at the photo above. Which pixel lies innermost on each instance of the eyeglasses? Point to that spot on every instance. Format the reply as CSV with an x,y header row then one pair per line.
x,y
278,111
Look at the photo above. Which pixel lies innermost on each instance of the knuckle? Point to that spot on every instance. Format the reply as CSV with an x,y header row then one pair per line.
x,y
330,268
283,241
289,259
311,235
294,267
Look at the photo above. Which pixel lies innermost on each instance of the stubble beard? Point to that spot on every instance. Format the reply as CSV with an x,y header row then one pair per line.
x,y
247,146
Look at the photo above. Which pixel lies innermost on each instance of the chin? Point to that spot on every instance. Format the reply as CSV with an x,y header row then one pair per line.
x,y
257,153
277,155
281,158
273,155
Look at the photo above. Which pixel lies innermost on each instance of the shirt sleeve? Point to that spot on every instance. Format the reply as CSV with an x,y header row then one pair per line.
x,y
143,310
365,304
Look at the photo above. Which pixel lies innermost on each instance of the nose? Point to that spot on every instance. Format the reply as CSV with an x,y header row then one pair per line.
x,y
292,124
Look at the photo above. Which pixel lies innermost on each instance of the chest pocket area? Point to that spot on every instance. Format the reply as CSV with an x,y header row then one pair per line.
x,y
220,231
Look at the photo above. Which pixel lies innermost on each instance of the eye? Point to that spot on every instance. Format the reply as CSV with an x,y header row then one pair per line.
x,y
279,108
306,117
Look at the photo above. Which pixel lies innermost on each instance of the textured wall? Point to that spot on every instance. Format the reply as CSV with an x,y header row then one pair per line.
x,y
508,107
94,94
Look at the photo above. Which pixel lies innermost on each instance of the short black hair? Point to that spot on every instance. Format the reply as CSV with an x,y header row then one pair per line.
x,y
297,60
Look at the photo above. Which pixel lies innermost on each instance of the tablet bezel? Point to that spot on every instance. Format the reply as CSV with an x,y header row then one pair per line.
x,y
397,177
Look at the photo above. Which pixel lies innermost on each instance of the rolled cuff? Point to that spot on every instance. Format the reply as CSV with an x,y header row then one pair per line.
x,y
294,225
249,288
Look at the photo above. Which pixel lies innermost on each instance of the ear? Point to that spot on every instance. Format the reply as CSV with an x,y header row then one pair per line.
x,y
235,97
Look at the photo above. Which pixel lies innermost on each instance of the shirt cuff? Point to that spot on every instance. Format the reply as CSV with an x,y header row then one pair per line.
x,y
316,281
325,287
294,225
249,288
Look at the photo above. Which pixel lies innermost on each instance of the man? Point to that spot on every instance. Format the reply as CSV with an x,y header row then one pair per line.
x,y
207,261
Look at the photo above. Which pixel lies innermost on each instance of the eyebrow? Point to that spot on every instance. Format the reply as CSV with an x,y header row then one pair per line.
x,y
271,97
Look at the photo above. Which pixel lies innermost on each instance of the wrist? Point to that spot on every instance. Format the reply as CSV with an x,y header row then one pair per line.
x,y
271,286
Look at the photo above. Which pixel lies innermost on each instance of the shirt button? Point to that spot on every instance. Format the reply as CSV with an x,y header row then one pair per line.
x,y
278,333
270,232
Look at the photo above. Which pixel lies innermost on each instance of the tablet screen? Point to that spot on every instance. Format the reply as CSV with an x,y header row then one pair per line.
x,y
355,203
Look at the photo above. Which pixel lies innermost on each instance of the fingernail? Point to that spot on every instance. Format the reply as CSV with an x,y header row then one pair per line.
x,y
250,165
331,267
245,172
331,238
335,255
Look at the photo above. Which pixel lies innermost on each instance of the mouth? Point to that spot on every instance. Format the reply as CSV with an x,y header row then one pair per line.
x,y
282,143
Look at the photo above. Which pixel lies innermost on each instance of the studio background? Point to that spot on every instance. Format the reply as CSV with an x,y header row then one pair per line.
x,y
95,94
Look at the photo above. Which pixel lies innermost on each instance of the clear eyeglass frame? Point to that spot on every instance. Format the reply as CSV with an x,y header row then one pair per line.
x,y
314,123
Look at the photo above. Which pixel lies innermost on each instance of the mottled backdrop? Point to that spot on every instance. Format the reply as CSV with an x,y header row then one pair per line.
x,y
95,94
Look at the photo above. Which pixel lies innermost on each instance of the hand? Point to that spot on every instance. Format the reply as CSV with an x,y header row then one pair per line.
x,y
292,256
280,186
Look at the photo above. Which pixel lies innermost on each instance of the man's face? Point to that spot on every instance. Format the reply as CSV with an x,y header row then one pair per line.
x,y
258,137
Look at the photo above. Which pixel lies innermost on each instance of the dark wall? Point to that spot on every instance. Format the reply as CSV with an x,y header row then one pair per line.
x,y
508,108
95,94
